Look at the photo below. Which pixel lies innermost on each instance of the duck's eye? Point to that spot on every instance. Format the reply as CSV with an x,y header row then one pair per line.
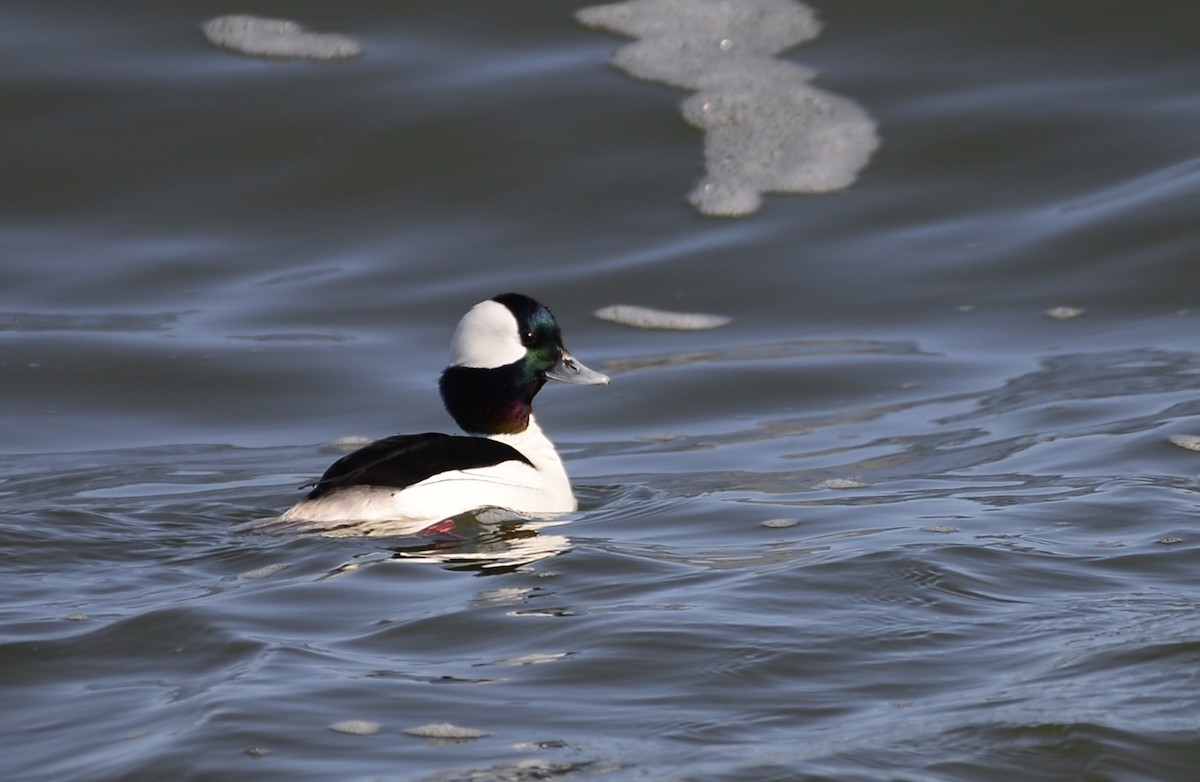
x,y
527,338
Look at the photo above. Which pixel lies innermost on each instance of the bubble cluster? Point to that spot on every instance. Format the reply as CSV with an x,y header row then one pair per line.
x,y
842,483
648,318
1064,313
1188,441
766,128
280,38
356,727
446,732
265,570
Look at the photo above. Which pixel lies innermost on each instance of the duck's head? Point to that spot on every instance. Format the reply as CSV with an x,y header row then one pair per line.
x,y
503,352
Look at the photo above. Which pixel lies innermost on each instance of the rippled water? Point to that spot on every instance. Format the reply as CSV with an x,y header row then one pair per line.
x,y
893,522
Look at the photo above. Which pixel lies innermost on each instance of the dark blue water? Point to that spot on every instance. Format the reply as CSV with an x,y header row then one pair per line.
x,y
893,522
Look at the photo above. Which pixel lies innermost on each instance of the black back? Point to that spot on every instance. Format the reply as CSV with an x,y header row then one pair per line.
x,y
405,459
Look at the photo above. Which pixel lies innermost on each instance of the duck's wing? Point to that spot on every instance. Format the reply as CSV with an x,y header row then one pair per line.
x,y
405,459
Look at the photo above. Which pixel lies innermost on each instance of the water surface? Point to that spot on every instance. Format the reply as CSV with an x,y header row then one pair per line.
x,y
215,266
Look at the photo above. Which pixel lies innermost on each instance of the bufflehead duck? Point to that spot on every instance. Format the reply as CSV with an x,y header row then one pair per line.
x,y
503,351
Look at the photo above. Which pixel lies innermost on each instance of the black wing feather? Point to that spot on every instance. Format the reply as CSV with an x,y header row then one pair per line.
x,y
405,459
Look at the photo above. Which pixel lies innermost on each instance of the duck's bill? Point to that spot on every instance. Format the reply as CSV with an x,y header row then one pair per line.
x,y
570,370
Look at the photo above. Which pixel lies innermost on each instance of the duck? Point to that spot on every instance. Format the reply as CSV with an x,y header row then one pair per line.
x,y
502,353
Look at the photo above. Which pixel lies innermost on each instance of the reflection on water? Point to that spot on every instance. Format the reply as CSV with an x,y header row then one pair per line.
x,y
500,549
489,541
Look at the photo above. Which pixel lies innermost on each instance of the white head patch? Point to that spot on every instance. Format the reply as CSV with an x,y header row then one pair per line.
x,y
486,337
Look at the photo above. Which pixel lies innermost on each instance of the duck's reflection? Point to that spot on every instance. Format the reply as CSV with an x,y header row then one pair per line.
x,y
487,542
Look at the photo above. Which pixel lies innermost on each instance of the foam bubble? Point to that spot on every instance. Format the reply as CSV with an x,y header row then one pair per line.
x,y
265,570
842,483
356,727
1189,441
260,37
766,128
647,318
1064,313
444,731
536,658
351,442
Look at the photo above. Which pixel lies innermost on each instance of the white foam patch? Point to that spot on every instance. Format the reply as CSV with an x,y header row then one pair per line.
x,y
647,318
780,523
277,38
1188,441
536,658
766,128
842,483
351,442
265,571
1064,313
356,727
446,732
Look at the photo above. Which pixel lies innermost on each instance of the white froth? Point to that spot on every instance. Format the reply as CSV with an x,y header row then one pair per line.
x,y
1064,313
265,570
281,38
1188,441
766,129
842,483
446,731
647,318
356,727
350,442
